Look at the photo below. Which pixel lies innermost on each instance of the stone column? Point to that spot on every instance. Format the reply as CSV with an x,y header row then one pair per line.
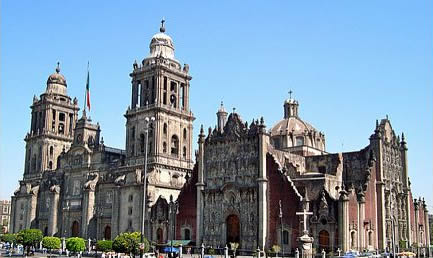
x,y
32,204
427,228
416,205
88,207
361,217
88,203
343,222
115,225
200,188
52,220
262,186
13,214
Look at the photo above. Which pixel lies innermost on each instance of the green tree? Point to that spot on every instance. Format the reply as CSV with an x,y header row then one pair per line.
x,y
104,245
9,238
75,244
51,243
29,238
129,243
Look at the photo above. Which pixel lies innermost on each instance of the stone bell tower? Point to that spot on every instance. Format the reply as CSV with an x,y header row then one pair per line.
x,y
160,89
52,126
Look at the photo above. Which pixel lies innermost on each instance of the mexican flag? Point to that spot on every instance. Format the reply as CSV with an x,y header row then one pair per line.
x,y
88,90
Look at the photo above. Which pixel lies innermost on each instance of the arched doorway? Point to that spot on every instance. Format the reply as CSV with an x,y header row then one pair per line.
x,y
324,240
46,231
75,229
159,235
107,232
233,229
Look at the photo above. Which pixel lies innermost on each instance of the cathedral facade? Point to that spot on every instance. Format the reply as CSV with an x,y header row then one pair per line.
x,y
246,185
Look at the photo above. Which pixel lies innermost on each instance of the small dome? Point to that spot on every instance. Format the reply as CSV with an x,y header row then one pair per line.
x,y
57,78
161,44
56,83
291,124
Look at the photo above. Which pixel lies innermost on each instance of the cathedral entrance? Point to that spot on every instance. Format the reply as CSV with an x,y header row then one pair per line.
x,y
75,229
159,235
107,233
233,229
324,240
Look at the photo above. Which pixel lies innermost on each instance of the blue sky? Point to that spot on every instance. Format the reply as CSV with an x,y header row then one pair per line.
x,y
348,63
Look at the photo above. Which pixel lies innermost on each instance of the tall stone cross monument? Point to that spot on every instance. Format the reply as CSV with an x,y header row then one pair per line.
x,y
305,240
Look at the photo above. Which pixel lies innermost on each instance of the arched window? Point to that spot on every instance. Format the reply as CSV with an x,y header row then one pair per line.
x,y
164,130
90,140
174,145
186,234
50,165
149,151
352,239
370,238
184,133
51,151
299,141
184,152
285,237
130,198
34,162
164,147
139,94
142,143
130,211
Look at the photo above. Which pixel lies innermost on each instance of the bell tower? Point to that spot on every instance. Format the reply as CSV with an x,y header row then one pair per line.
x,y
160,89
52,126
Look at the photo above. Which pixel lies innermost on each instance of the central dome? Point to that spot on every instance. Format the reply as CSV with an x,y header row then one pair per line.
x,y
161,44
294,134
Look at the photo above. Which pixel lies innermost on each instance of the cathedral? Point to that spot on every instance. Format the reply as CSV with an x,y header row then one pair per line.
x,y
246,183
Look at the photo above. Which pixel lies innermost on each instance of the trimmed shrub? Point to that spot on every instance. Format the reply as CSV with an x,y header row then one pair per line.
x,y
75,244
104,245
29,238
129,243
51,243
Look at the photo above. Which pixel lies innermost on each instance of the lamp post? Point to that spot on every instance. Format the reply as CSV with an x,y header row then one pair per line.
x,y
281,233
143,214
173,211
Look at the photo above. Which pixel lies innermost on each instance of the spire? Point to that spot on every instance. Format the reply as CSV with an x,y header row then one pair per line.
x,y
162,28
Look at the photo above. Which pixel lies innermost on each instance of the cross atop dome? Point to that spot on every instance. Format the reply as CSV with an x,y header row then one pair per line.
x,y
58,67
290,94
162,28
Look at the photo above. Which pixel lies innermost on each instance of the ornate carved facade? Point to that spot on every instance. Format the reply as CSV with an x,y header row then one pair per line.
x,y
246,185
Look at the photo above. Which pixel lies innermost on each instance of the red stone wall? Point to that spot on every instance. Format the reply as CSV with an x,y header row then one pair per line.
x,y
279,188
412,217
353,208
370,208
187,206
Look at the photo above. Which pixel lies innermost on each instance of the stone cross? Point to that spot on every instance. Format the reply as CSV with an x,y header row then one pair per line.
x,y
290,94
304,213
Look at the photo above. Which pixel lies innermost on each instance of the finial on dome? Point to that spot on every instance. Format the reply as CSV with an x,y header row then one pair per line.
x,y
290,94
162,28
58,67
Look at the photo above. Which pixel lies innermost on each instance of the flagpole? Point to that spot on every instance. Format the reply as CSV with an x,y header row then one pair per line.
x,y
85,91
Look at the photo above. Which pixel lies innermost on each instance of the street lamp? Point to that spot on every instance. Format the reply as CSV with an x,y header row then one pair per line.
x,y
281,233
146,131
